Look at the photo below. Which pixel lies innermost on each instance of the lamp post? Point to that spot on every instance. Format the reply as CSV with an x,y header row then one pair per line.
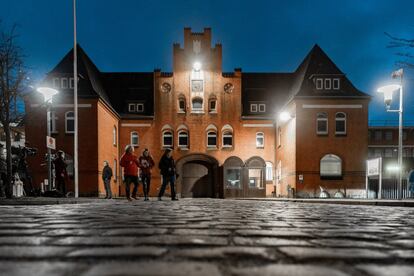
x,y
388,91
48,94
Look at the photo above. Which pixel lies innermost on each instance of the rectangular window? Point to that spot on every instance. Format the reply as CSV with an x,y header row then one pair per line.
x,y
259,140
233,178
56,83
340,128
336,85
262,108
319,83
140,107
405,135
378,135
388,152
255,178
197,85
253,108
181,105
227,140
269,172
388,135
371,153
322,127
213,105
211,140
407,152
328,84
131,107
183,139
64,83
378,152
167,139
71,83
53,120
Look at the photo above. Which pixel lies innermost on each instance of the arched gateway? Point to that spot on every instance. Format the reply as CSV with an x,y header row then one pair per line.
x,y
198,176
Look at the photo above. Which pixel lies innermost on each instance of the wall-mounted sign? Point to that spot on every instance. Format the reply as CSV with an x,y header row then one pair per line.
x,y
50,142
373,167
301,177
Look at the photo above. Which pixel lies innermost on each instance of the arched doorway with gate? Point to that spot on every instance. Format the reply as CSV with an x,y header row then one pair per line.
x,y
198,176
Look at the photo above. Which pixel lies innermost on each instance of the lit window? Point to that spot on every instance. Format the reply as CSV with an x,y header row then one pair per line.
x,y
211,139
227,139
260,140
319,83
233,178
131,107
64,83
253,107
336,84
183,139
56,82
70,122
140,107
340,123
114,134
388,135
269,171
322,123
71,83
181,104
134,139
328,84
197,104
167,139
256,178
262,108
331,166
212,105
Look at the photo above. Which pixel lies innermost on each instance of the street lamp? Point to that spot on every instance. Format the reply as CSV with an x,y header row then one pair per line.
x,y
197,66
388,91
284,116
48,94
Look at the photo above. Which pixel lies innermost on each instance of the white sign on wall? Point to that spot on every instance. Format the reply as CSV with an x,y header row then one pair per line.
x,y
373,167
50,142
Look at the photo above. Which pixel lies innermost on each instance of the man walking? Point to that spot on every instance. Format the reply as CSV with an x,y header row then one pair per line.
x,y
60,172
130,164
106,177
167,167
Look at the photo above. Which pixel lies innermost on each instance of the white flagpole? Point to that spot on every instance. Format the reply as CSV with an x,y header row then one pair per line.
x,y
75,102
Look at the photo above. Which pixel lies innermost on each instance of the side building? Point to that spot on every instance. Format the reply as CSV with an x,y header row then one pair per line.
x,y
233,134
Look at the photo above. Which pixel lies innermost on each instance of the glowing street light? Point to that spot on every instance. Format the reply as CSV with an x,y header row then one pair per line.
x,y
284,116
388,90
48,94
197,66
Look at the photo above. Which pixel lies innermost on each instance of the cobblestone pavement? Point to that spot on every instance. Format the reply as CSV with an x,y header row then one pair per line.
x,y
206,237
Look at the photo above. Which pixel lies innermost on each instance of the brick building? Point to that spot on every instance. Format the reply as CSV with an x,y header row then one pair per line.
x,y
224,128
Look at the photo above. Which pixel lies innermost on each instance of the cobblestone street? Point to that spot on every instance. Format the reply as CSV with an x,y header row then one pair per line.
x,y
206,237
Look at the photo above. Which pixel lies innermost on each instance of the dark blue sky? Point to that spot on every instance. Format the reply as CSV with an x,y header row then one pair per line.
x,y
132,35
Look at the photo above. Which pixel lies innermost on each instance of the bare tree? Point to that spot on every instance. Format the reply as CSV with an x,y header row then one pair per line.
x,y
12,84
406,47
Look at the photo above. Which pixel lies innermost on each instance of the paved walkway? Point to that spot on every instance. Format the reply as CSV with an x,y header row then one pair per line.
x,y
206,237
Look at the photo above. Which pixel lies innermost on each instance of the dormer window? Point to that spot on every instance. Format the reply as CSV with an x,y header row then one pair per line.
x,y
140,107
135,107
328,84
253,108
262,107
336,85
64,83
132,108
319,83
56,83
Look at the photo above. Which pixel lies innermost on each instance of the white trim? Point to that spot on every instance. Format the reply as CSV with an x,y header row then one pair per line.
x,y
326,82
135,125
255,108
263,137
66,121
332,106
211,127
264,107
140,107
63,105
390,146
337,81
258,125
132,133
227,127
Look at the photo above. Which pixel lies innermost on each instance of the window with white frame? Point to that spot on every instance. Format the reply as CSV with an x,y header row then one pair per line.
x,y
197,104
269,171
328,84
212,105
167,139
319,83
211,139
331,166
114,135
56,82
262,107
181,104
259,140
256,178
64,83
132,107
253,108
70,122
183,139
340,123
322,123
134,139
227,139
140,107
53,120
336,84
71,83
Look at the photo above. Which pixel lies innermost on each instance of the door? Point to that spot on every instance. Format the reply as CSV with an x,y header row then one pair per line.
x,y
197,180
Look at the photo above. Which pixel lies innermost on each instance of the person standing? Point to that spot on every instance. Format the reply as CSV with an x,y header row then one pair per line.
x,y
60,172
167,168
145,164
106,177
129,162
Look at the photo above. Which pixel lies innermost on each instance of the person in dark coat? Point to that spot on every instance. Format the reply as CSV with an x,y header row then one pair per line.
x,y
106,177
129,162
60,172
146,163
167,168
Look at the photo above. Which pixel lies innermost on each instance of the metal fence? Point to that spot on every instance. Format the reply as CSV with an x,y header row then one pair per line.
x,y
389,189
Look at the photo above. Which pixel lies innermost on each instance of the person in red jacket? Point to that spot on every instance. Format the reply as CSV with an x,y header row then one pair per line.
x,y
145,164
129,162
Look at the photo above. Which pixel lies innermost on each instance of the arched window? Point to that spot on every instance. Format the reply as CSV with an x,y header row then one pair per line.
x,y
211,139
197,104
259,140
114,134
269,171
167,139
183,139
322,123
181,104
340,123
331,166
70,122
227,139
134,139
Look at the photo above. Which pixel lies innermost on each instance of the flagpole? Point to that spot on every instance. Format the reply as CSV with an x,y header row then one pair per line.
x,y
75,102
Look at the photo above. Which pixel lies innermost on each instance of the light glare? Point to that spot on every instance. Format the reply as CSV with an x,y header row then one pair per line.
x,y
47,93
284,116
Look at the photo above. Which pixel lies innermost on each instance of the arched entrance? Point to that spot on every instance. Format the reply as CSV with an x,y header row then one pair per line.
x,y
198,176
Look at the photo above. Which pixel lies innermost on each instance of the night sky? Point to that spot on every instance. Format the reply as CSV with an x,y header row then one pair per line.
x,y
258,36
